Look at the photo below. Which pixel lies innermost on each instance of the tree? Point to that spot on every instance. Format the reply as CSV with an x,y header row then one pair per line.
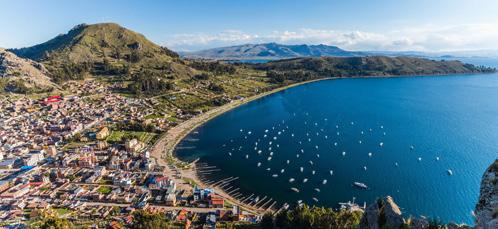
x,y
145,220
267,221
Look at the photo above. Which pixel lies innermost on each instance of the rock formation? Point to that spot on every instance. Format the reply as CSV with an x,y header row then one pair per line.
x,y
487,208
18,73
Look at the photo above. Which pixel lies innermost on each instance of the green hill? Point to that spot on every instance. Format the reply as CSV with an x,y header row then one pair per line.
x,y
309,68
102,49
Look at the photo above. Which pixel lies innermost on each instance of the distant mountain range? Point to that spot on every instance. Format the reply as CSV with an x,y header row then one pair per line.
x,y
275,51
270,51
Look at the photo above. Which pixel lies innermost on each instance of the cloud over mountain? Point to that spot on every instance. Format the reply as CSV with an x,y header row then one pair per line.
x,y
422,38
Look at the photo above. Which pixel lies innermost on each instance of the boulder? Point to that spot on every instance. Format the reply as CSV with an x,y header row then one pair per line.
x,y
392,213
419,223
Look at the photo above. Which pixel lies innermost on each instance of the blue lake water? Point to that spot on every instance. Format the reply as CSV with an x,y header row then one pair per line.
x,y
454,118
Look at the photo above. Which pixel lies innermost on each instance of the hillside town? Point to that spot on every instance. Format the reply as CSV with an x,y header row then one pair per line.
x,y
86,155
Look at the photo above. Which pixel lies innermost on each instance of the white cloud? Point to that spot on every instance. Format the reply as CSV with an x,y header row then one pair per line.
x,y
424,38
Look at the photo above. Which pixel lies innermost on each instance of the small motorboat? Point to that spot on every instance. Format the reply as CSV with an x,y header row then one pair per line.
x,y
360,185
295,189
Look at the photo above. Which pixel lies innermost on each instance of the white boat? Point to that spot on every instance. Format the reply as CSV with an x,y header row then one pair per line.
x,y
313,172
324,181
365,168
311,162
301,169
305,180
315,199
269,159
318,155
282,170
360,185
331,172
343,153
370,154
274,175
288,161
295,189
381,144
437,158
259,164
317,189
450,172
268,169
412,147
247,156
291,180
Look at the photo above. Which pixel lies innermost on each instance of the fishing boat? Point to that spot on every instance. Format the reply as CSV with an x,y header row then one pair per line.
x,y
360,185
295,189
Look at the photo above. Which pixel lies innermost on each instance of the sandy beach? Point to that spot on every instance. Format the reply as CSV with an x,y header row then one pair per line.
x,y
166,144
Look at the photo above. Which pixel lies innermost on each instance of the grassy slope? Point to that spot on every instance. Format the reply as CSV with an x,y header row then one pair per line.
x,y
370,66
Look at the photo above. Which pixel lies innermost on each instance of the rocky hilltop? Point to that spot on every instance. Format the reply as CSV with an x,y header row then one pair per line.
x,y
102,49
487,208
23,75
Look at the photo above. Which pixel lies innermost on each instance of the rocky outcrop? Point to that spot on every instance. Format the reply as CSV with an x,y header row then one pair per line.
x,y
385,213
19,74
486,210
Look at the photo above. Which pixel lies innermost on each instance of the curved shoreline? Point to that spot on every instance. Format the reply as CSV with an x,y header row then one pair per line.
x,y
165,146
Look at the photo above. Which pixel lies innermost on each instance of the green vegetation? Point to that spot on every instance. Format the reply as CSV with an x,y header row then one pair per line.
x,y
104,190
302,69
121,136
305,217
145,220
46,220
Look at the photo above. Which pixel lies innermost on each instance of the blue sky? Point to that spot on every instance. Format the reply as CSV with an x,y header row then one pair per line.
x,y
425,25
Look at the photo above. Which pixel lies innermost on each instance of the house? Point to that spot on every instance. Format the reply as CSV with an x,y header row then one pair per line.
x,y
103,133
7,163
171,199
216,201
133,145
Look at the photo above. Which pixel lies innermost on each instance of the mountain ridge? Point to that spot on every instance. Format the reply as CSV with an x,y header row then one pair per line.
x,y
269,51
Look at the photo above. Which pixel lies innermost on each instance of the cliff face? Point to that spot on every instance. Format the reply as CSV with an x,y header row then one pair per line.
x,y
487,208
